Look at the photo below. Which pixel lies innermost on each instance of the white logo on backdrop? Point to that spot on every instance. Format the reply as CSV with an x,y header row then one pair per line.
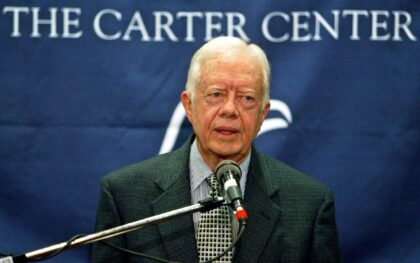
x,y
269,124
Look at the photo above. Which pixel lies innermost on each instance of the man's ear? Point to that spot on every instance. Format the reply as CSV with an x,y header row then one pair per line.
x,y
266,109
187,103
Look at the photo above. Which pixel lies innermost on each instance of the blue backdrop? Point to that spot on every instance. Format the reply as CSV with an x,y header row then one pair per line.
x,y
89,86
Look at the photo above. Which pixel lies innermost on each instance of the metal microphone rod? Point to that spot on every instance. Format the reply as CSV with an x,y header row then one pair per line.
x,y
202,206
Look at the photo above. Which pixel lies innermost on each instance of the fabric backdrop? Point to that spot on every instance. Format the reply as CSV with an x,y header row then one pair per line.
x,y
89,86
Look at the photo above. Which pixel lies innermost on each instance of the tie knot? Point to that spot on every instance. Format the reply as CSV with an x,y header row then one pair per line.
x,y
214,185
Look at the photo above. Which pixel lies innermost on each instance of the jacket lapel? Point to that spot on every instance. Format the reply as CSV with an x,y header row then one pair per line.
x,y
263,212
177,234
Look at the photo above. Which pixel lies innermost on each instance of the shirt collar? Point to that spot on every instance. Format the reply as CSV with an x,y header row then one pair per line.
x,y
199,170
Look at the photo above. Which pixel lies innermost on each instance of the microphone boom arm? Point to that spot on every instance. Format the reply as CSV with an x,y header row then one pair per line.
x,y
203,206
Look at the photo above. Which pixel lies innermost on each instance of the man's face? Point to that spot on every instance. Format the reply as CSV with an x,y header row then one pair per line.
x,y
226,112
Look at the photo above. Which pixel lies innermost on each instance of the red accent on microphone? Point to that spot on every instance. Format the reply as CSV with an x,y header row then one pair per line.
x,y
241,214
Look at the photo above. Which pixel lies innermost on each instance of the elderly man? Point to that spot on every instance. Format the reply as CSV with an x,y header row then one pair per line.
x,y
291,216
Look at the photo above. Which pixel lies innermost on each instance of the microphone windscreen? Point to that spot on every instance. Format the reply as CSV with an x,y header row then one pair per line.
x,y
226,166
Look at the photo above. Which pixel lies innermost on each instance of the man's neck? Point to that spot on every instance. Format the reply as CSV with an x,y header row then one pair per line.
x,y
213,160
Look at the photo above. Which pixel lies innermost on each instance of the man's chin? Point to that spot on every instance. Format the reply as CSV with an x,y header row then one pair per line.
x,y
227,152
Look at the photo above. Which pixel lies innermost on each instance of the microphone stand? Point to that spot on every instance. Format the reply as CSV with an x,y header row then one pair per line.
x,y
203,206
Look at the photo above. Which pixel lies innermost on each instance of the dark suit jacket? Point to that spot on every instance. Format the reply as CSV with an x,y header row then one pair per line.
x,y
291,216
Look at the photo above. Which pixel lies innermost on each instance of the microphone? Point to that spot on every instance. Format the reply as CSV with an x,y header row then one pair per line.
x,y
228,174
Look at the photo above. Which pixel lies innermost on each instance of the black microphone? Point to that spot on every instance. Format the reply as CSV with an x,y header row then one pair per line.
x,y
228,174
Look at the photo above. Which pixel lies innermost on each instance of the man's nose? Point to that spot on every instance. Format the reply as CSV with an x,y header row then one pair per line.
x,y
229,107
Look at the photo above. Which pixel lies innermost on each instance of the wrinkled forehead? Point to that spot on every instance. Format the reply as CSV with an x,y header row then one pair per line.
x,y
238,62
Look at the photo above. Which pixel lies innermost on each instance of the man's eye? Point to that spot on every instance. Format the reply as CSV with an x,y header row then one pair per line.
x,y
214,97
248,99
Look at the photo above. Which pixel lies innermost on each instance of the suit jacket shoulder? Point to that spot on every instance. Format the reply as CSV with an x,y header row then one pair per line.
x,y
151,170
291,215
277,176
138,191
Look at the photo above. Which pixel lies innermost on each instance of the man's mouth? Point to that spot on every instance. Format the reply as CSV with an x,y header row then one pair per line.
x,y
226,130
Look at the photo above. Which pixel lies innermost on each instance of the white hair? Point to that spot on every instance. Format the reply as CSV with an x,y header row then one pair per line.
x,y
222,45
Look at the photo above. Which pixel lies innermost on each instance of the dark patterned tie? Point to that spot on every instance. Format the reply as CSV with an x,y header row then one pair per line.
x,y
215,230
